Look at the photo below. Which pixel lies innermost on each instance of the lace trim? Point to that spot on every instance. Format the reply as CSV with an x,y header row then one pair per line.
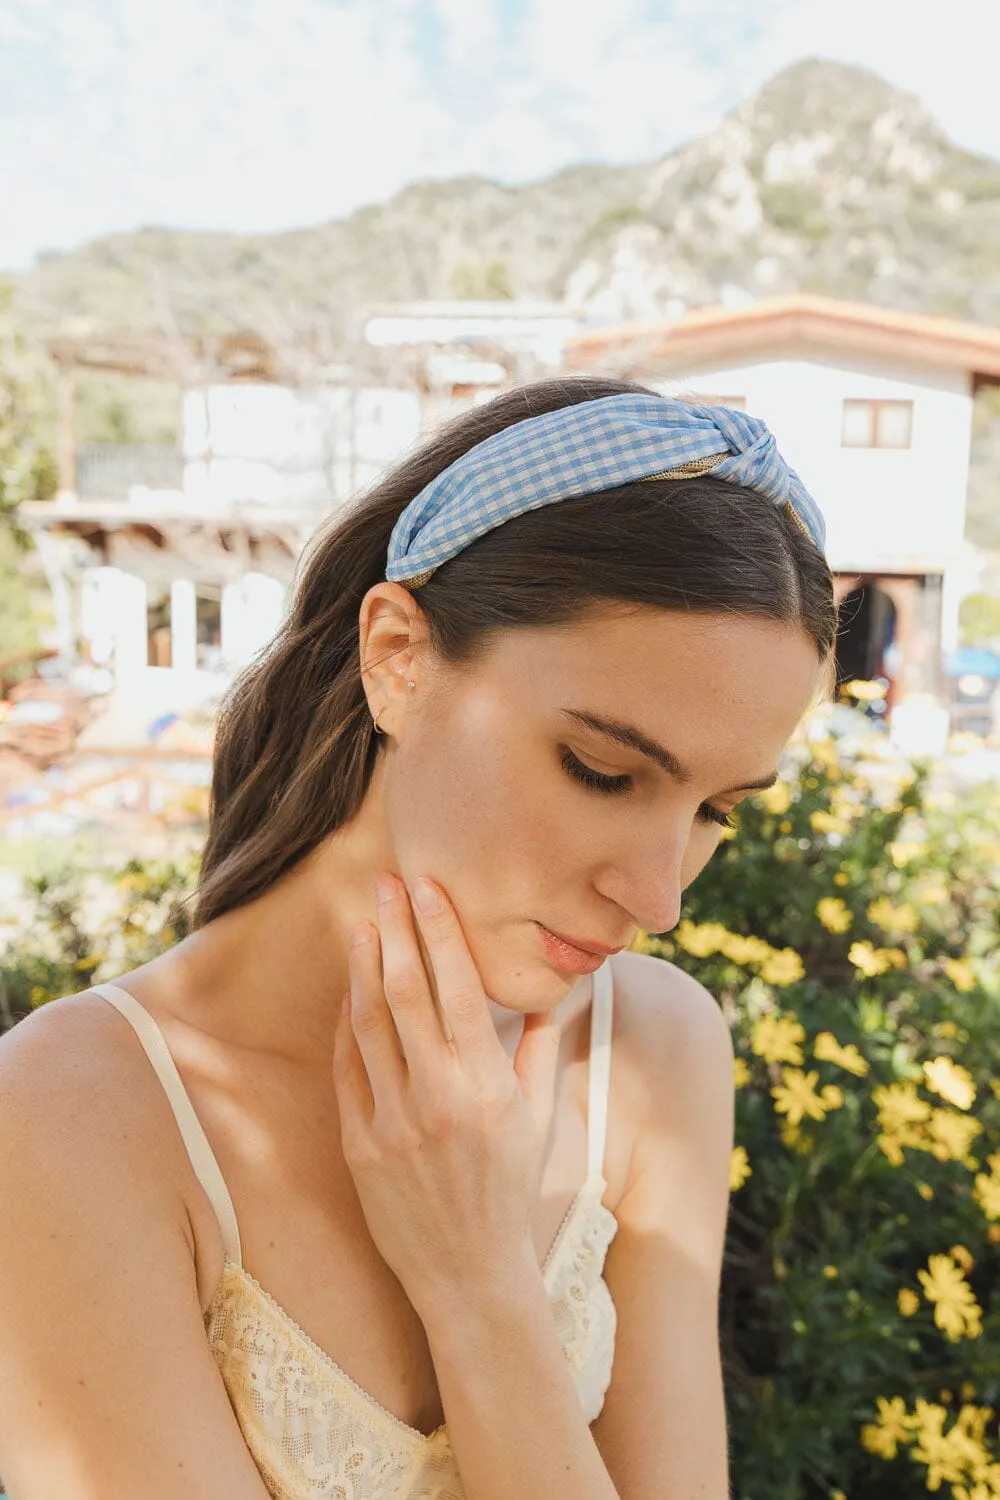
x,y
265,1370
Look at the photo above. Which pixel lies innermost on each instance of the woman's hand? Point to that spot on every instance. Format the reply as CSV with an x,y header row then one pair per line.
x,y
443,1137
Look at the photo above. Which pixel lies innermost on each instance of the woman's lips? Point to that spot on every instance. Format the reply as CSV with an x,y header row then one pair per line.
x,y
567,956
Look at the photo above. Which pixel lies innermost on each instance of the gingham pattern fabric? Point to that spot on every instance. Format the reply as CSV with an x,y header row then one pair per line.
x,y
581,449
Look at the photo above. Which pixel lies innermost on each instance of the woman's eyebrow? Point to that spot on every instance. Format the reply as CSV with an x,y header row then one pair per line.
x,y
634,739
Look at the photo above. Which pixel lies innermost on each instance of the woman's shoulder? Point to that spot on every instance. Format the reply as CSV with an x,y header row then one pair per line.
x,y
78,1095
669,1030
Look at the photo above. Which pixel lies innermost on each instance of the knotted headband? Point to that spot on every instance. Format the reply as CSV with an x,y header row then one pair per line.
x,y
579,450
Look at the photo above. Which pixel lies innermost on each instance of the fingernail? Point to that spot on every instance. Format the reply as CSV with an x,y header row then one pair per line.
x,y
361,934
426,897
386,888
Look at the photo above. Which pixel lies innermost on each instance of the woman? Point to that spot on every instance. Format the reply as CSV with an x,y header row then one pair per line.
x,y
445,1240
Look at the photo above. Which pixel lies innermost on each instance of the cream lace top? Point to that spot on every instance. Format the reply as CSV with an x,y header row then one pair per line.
x,y
311,1429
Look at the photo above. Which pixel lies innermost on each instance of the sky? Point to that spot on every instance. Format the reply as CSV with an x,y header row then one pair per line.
x,y
247,115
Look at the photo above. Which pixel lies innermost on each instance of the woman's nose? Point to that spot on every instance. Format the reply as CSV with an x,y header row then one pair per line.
x,y
648,883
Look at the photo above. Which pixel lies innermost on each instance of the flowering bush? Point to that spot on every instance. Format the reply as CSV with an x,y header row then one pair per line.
x,y
77,927
850,931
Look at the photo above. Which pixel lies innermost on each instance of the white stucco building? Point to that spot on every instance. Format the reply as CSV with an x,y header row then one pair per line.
x,y
873,408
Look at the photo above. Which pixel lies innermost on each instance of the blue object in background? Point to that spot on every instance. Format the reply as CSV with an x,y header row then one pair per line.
x,y
973,661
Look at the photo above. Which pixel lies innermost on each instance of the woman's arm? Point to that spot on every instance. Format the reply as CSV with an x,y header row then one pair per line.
x,y
514,1416
662,1431
513,1413
108,1387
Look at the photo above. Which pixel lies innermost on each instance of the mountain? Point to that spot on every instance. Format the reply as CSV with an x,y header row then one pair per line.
x,y
826,180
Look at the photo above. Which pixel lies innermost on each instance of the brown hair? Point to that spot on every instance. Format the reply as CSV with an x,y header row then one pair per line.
x,y
295,746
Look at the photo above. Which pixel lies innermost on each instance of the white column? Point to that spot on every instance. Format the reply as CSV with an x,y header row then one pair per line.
x,y
233,624
183,626
130,625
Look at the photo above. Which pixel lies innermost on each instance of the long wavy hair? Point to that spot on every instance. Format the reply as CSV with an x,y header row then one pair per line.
x,y
295,747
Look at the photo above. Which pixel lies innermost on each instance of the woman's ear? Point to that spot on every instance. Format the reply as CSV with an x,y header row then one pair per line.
x,y
392,630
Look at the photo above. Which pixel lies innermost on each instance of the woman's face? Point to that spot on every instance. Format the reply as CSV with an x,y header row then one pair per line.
x,y
502,784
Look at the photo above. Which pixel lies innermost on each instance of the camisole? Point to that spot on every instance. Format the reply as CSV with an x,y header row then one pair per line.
x,y
311,1429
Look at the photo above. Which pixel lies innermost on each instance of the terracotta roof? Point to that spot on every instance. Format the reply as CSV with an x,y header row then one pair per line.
x,y
778,324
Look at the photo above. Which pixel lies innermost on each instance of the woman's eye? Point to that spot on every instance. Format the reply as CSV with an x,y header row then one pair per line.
x,y
587,776
709,814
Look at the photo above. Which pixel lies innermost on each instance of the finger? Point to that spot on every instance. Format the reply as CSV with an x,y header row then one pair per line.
x,y
464,1003
372,1023
353,1092
407,984
535,1063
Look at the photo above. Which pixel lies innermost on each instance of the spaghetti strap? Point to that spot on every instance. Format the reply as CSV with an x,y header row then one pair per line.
x,y
203,1160
599,1082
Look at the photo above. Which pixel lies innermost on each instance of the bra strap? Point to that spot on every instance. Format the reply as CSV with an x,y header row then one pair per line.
x,y
599,1083
203,1160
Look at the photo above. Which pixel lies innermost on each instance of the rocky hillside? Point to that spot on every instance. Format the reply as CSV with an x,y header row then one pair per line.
x,y
826,180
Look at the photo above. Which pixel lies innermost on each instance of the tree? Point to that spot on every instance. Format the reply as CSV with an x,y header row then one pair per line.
x,y
27,472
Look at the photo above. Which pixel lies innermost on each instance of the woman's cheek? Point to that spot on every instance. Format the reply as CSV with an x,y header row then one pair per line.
x,y
702,844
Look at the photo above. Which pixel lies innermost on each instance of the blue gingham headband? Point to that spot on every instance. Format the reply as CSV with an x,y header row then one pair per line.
x,y
579,450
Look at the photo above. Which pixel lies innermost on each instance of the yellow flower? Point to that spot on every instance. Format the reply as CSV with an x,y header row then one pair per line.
x,y
987,1189
864,692
745,950
954,1455
776,1039
831,1273
899,1105
960,1254
783,967
739,1168
641,943
893,919
796,1097
907,1301
946,1029
833,914
776,799
926,1191
702,939
872,961
824,822
828,1049
953,1083
951,1135
741,1072
956,1311
961,974
842,878
891,1427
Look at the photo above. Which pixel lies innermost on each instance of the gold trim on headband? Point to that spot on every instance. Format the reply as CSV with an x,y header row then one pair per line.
x,y
690,469
418,580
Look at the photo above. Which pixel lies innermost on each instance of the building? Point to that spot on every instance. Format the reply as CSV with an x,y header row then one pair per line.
x,y
170,566
873,408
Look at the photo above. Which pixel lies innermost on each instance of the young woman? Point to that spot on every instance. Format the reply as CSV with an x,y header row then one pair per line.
x,y
460,1235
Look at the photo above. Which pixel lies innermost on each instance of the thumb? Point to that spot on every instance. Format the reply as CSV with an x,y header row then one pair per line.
x,y
535,1064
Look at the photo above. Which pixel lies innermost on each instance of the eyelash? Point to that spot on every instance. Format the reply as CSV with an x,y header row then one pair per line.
x,y
620,786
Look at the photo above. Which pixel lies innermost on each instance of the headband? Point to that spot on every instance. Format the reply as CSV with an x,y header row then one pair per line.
x,y
582,449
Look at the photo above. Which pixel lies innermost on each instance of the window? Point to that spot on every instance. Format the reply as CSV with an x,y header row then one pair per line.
x,y
877,424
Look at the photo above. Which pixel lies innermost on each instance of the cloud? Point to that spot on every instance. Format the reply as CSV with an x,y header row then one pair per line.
x,y
261,114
